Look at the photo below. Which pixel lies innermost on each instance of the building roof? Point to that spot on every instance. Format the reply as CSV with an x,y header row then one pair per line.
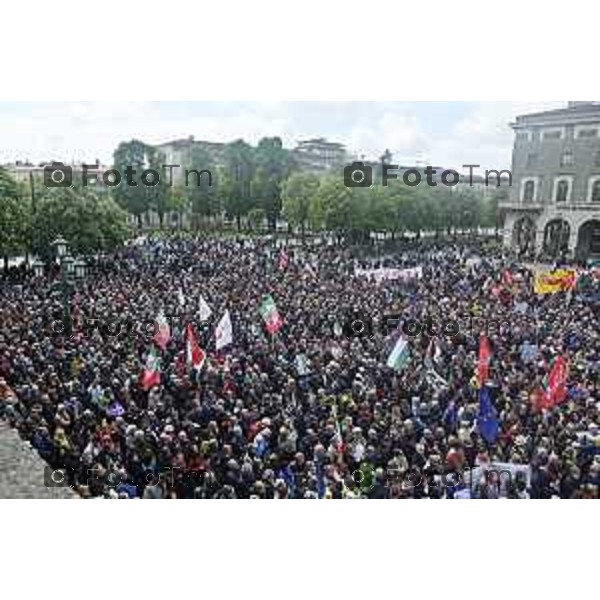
x,y
579,112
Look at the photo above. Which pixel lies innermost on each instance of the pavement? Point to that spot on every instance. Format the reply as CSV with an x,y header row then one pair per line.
x,y
22,469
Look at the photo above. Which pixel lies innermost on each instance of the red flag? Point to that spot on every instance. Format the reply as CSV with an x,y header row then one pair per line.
x,y
483,366
556,386
151,373
196,356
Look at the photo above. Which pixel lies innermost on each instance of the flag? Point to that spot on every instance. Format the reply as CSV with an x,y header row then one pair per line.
x,y
181,297
205,310
483,365
270,315
338,440
487,419
433,352
224,331
163,335
555,389
399,355
195,354
151,374
552,282
283,260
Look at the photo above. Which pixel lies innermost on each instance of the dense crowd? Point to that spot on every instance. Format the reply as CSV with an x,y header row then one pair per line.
x,y
312,411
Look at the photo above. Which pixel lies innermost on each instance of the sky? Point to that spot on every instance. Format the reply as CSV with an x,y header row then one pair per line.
x,y
448,134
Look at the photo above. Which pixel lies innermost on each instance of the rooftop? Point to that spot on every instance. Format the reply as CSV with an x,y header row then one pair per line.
x,y
574,112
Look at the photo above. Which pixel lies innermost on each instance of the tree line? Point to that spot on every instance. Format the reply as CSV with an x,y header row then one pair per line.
x,y
260,185
256,187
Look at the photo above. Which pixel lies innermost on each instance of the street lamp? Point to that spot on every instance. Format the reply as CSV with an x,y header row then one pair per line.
x,y
80,267
69,270
61,247
38,268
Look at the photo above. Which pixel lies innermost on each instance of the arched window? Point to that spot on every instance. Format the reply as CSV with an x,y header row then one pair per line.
x,y
529,191
596,191
562,191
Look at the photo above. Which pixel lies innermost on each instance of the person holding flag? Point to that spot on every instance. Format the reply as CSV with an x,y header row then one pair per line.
x,y
487,418
204,309
195,355
270,315
554,389
151,374
224,331
399,355
483,364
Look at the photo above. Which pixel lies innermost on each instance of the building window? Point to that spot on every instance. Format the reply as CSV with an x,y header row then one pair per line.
x,y
587,133
522,136
562,191
566,159
529,191
553,134
532,160
597,159
594,190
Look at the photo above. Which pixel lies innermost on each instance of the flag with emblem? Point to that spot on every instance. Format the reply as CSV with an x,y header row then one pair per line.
x,y
270,315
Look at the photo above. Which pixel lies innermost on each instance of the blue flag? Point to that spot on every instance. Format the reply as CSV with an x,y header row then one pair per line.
x,y
487,419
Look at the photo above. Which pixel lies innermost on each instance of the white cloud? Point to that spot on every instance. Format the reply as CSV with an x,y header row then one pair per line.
x,y
84,131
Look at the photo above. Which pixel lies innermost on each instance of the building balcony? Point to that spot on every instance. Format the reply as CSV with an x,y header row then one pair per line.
x,y
522,206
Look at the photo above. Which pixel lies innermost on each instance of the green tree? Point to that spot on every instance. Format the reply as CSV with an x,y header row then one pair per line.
x,y
90,223
177,201
15,218
133,199
235,180
299,192
256,218
272,168
201,190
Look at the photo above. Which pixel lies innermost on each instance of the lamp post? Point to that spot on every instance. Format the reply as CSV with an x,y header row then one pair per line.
x,y
70,270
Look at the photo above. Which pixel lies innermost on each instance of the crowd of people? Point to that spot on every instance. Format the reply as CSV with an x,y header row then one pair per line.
x,y
313,410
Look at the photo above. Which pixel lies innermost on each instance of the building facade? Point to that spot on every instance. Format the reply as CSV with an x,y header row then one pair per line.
x,y
553,207
320,156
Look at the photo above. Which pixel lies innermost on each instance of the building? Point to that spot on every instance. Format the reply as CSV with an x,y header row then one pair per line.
x,y
31,174
179,152
320,156
554,202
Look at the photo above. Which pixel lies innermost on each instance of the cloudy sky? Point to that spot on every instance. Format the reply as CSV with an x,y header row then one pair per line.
x,y
447,134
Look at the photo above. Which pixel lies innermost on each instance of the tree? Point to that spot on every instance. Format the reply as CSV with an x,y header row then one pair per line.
x,y
299,192
272,168
201,190
235,180
15,218
133,199
177,201
157,196
89,223
256,218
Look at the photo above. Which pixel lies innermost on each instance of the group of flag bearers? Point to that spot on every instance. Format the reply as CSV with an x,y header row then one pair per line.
x,y
551,393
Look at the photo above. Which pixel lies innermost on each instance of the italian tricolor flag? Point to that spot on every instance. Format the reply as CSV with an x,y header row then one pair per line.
x,y
151,374
270,315
399,355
